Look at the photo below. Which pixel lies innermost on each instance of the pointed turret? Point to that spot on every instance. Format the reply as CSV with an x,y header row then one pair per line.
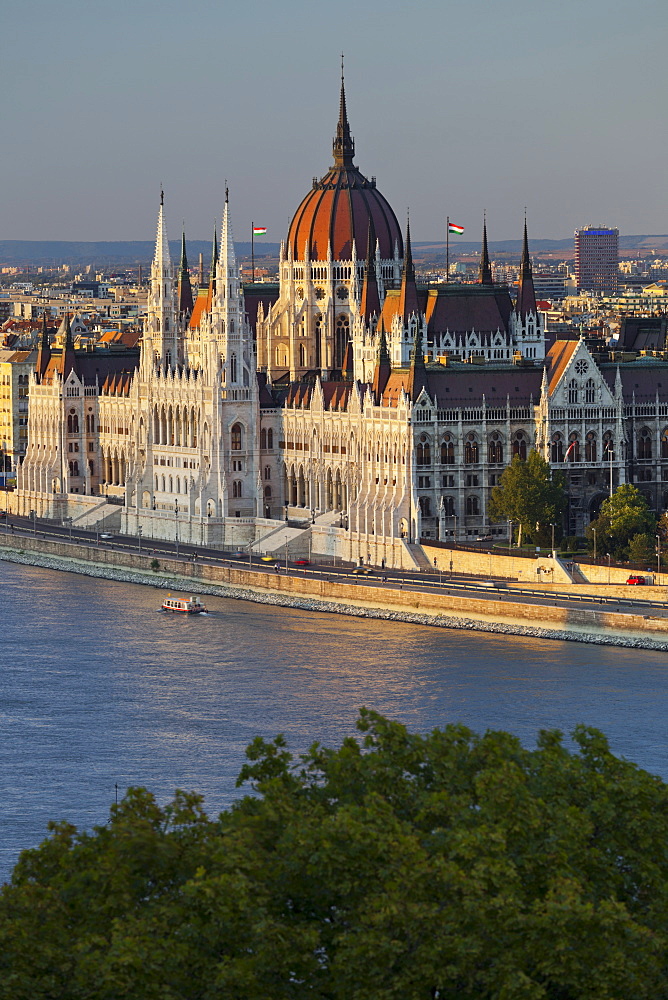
x,y
185,292
348,370
383,367
343,146
227,256
67,358
526,295
408,297
418,373
370,301
161,258
485,271
160,329
44,352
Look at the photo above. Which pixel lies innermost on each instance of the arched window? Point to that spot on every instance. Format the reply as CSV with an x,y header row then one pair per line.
x,y
520,446
664,444
74,468
302,356
449,506
423,451
590,391
495,449
267,492
471,451
72,422
472,506
425,506
236,438
340,340
270,439
447,451
557,448
236,489
267,472
573,394
233,368
263,439
645,443
573,450
590,447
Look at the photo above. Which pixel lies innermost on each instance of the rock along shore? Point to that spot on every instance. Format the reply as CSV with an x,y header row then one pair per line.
x,y
174,582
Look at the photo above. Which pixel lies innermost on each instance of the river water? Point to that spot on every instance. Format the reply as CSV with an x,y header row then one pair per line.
x,y
98,688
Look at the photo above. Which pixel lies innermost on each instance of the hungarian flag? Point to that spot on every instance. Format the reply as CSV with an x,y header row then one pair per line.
x,y
570,449
452,228
259,230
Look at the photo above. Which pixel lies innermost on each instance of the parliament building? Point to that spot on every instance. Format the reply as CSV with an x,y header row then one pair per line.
x,y
364,409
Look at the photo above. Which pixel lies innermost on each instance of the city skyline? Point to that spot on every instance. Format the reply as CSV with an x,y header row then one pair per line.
x,y
455,111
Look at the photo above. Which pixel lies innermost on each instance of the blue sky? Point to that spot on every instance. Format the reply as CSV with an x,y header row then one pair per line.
x,y
455,108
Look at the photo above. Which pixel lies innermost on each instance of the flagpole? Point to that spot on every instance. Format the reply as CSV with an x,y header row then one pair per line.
x,y
253,253
447,250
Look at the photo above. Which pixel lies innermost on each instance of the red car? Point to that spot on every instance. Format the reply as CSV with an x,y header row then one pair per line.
x,y
637,580
302,562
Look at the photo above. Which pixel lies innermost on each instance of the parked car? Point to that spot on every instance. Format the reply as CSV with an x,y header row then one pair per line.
x,y
637,580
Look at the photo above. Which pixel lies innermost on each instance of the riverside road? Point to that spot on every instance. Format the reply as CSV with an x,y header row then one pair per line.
x,y
482,587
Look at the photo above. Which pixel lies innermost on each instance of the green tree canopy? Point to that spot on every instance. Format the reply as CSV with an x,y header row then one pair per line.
x,y
398,866
529,495
623,515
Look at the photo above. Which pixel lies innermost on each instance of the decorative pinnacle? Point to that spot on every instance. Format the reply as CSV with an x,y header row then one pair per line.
x,y
344,144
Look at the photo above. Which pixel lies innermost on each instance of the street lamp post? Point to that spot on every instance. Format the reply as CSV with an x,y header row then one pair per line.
x,y
552,526
658,560
608,567
176,526
139,529
510,536
593,531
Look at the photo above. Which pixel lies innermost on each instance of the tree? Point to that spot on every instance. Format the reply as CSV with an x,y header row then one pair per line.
x,y
622,515
399,865
530,495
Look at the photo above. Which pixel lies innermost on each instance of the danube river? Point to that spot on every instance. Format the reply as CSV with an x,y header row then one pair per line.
x,y
98,689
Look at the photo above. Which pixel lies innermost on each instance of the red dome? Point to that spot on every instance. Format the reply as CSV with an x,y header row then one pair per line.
x,y
341,207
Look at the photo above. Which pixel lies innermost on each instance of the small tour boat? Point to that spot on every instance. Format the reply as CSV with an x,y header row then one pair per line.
x,y
186,605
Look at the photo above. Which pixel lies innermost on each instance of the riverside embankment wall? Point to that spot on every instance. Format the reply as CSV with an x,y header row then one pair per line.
x,y
506,609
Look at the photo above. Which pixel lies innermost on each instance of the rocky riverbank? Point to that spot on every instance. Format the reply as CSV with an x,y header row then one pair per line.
x,y
172,582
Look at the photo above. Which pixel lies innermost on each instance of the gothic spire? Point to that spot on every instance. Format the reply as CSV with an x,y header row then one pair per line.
x,y
485,272
227,256
344,144
408,301
67,358
161,258
383,367
370,301
418,370
185,292
526,295
44,352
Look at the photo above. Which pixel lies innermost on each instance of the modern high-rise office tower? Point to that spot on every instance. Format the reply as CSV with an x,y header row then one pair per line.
x,y
597,259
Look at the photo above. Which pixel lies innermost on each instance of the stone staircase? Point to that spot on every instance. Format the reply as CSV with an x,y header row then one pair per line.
x,y
102,515
417,555
273,543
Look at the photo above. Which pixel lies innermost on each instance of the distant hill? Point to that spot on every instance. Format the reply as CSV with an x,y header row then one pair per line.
x,y
128,253
114,253
540,246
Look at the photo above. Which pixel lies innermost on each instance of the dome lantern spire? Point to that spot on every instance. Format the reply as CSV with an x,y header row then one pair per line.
x,y
343,146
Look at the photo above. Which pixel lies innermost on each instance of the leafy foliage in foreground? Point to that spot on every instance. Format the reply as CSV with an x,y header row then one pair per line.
x,y
396,867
